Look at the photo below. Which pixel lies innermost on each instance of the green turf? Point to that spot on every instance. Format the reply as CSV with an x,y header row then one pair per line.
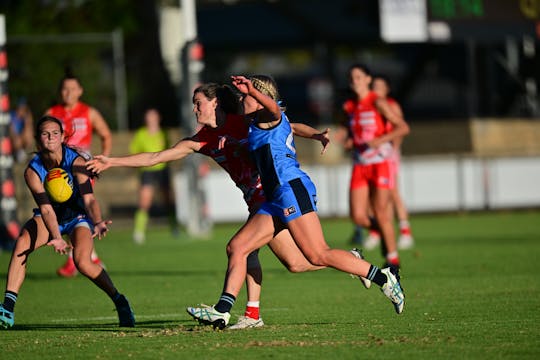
x,y
471,286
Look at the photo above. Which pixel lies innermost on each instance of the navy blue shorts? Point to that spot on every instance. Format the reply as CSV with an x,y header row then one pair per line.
x,y
67,227
291,200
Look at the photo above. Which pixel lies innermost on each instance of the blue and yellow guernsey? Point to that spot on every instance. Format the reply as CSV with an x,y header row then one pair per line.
x,y
74,207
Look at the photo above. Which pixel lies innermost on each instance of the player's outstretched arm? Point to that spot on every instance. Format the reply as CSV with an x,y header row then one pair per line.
x,y
182,149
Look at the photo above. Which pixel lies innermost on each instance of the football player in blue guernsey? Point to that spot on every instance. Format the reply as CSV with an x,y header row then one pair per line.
x,y
79,218
290,202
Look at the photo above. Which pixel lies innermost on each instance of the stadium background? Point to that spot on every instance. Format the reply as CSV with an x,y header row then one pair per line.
x,y
481,71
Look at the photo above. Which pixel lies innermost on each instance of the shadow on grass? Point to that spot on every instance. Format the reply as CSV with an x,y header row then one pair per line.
x,y
109,327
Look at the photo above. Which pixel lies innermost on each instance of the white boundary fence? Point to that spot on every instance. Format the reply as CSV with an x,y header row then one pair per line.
x,y
427,184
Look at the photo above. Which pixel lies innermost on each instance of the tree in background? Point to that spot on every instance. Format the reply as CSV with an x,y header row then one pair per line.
x,y
37,62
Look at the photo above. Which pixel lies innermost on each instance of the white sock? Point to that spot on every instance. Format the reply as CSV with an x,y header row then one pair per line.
x,y
253,303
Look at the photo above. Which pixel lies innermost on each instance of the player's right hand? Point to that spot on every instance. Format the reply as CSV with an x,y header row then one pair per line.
x,y
60,246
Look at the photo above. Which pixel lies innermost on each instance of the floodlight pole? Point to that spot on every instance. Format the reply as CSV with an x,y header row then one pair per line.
x,y
117,37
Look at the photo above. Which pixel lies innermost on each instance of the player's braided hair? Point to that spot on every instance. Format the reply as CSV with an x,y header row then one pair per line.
x,y
267,86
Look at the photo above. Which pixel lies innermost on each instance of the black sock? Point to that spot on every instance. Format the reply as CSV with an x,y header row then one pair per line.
x,y
225,303
10,298
358,234
374,224
116,297
104,282
375,275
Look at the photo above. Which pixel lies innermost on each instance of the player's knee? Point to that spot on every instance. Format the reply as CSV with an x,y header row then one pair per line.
x,y
297,264
299,267
238,246
233,250
22,247
382,216
83,265
361,220
318,259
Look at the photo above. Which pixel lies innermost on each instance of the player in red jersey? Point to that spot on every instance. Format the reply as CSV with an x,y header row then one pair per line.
x,y
381,86
372,180
223,137
80,121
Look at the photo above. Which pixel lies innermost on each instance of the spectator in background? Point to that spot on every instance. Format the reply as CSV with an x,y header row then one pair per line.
x,y
21,130
151,138
79,120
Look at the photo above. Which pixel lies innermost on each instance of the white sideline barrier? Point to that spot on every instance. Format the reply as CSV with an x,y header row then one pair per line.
x,y
514,183
427,184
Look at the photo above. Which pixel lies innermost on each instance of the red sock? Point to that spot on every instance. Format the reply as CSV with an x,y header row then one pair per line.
x,y
392,258
252,312
404,227
405,231
394,261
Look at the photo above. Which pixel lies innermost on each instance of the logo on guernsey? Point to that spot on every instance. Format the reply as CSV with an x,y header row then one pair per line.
x,y
384,181
289,211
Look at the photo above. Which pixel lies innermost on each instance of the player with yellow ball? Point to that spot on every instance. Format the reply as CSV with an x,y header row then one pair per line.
x,y
66,205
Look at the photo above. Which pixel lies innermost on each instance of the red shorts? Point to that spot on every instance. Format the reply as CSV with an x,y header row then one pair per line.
x,y
376,175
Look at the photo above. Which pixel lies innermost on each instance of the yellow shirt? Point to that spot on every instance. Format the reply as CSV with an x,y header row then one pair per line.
x,y
143,141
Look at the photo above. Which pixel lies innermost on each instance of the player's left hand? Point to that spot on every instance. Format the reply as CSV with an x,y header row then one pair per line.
x,y
324,138
101,228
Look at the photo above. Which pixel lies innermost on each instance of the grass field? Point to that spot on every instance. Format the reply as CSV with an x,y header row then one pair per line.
x,y
471,286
